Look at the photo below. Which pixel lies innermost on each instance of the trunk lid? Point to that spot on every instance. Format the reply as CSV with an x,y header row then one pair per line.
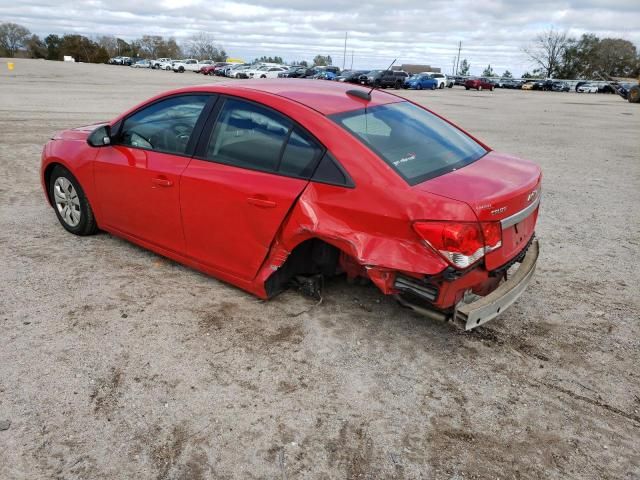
x,y
496,187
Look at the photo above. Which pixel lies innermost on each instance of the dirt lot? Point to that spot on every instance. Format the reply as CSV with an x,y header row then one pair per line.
x,y
116,363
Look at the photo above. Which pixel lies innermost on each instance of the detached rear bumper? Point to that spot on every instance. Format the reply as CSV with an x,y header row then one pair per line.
x,y
490,306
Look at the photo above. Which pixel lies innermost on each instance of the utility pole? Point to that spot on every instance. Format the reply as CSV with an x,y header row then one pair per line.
x,y
351,59
344,55
458,62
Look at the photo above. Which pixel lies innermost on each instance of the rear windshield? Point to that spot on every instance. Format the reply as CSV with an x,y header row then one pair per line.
x,y
415,143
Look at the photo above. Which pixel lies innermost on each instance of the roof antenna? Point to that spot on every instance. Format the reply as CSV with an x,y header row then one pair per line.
x,y
366,96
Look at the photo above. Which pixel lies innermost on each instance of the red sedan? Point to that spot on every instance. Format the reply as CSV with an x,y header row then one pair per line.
x,y
478,84
284,182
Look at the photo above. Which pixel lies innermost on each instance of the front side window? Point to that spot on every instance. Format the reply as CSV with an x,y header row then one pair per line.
x,y
249,136
414,142
165,126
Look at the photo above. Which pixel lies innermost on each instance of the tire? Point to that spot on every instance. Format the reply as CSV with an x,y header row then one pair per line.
x,y
634,94
263,76
480,88
64,189
433,87
491,89
466,88
397,86
441,86
181,69
419,86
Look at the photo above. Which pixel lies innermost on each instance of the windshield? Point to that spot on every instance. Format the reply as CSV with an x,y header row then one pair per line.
x,y
417,144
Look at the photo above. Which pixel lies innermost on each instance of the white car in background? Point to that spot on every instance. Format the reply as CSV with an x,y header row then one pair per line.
x,y
189,64
441,78
238,71
266,71
162,63
588,88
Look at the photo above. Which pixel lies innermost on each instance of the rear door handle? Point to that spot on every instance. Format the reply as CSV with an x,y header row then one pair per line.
x,y
162,182
261,202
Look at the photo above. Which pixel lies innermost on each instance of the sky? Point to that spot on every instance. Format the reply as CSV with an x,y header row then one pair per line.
x,y
378,31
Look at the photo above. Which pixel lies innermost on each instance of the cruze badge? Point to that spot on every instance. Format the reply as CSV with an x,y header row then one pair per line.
x,y
532,196
497,211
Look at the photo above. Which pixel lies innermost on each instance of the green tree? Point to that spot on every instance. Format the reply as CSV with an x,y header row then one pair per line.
x,y
321,60
507,74
82,49
527,75
265,59
12,38
53,43
488,72
36,47
464,68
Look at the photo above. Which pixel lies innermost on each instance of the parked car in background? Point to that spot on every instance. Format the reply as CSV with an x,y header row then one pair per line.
x,y
142,64
421,81
605,88
459,80
211,69
267,71
290,69
512,84
478,84
188,64
588,88
350,76
560,87
299,180
528,85
384,78
440,78
159,63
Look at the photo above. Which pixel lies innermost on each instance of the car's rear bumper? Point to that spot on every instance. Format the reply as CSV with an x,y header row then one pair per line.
x,y
490,306
419,296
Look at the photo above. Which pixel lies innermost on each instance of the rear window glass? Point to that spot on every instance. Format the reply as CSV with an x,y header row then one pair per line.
x,y
415,143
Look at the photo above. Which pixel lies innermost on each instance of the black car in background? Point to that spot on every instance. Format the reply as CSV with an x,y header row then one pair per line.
x,y
512,84
384,78
560,87
351,76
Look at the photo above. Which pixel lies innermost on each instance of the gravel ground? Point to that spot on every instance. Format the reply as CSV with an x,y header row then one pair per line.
x,y
117,363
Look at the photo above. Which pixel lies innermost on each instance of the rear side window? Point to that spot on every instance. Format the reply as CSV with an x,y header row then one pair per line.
x,y
300,155
417,144
249,136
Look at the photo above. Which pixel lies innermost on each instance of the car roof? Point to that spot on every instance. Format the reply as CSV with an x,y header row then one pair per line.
x,y
325,97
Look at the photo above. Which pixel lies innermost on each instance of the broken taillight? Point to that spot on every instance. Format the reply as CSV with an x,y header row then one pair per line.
x,y
461,243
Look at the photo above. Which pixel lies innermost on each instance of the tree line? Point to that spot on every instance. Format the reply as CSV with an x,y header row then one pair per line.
x,y
556,55
15,39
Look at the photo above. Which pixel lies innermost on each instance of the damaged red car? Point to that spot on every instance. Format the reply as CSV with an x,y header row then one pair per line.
x,y
285,182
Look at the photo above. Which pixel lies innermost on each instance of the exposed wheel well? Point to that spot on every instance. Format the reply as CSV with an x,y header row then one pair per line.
x,y
311,257
47,178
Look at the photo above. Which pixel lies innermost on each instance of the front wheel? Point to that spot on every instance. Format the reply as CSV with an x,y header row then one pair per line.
x,y
466,88
441,85
480,88
70,203
419,87
634,94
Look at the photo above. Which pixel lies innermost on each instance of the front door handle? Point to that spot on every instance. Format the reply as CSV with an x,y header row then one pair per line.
x,y
261,202
162,182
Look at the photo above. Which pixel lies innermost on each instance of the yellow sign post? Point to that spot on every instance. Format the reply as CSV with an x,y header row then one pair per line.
x,y
10,65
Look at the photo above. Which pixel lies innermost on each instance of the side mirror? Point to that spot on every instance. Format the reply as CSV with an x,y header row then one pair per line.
x,y
100,137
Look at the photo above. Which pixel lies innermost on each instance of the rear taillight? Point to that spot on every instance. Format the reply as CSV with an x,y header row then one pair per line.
x,y
461,243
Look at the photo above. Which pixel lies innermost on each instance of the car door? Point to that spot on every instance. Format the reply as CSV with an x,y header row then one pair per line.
x,y
137,178
244,179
